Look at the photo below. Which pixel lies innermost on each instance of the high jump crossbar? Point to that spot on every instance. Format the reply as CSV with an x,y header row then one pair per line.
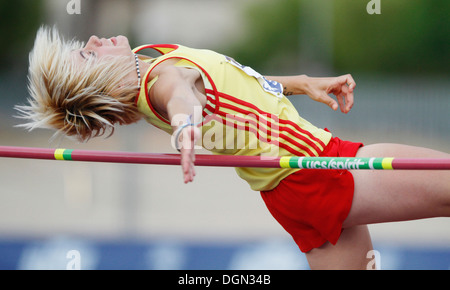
x,y
374,163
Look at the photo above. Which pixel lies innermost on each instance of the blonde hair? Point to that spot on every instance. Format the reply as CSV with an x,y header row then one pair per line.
x,y
82,101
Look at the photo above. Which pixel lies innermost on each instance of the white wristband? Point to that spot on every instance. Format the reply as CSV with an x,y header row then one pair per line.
x,y
178,132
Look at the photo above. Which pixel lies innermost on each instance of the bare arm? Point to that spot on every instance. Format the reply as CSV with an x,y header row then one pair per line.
x,y
174,97
292,85
319,89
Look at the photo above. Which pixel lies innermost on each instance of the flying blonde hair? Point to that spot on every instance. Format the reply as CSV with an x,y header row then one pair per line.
x,y
81,101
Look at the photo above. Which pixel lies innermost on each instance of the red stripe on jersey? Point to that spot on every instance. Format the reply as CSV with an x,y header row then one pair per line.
x,y
287,139
285,129
286,122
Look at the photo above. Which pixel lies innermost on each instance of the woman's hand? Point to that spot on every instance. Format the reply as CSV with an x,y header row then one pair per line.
x,y
189,136
319,89
342,87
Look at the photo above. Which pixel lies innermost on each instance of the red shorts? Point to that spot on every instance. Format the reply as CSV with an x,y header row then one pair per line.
x,y
312,204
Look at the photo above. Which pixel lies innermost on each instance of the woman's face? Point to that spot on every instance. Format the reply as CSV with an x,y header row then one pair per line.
x,y
98,48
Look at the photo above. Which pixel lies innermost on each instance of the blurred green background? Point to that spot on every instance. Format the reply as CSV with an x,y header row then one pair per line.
x,y
408,37
399,59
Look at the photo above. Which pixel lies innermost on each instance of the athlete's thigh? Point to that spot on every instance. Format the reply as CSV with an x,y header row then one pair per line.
x,y
398,195
351,252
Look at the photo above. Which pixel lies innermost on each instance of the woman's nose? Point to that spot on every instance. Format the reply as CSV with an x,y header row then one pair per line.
x,y
93,41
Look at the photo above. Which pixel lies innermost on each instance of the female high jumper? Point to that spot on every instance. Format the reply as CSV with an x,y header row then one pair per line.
x,y
203,96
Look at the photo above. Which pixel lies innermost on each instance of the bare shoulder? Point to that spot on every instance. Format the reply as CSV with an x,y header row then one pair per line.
x,y
172,81
168,70
172,78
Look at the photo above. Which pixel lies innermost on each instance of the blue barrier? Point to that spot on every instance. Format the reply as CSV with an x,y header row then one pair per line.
x,y
72,253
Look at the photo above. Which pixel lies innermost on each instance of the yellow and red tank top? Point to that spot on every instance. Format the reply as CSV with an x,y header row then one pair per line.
x,y
245,113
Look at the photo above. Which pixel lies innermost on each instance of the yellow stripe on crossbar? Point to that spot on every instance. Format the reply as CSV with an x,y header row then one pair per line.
x,y
59,154
284,162
387,163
